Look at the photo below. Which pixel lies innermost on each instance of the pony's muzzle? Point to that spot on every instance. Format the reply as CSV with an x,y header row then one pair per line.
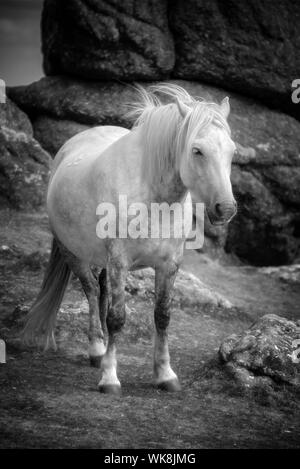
x,y
222,212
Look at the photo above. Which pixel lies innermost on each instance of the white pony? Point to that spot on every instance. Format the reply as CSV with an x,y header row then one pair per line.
x,y
174,151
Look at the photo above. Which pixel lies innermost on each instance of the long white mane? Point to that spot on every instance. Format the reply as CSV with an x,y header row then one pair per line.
x,y
165,133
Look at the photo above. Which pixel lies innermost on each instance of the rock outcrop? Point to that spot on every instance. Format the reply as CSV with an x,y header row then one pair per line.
x,y
270,348
107,40
247,46
24,165
265,174
84,102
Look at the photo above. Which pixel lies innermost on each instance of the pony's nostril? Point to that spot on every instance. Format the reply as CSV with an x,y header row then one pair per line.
x,y
225,209
218,209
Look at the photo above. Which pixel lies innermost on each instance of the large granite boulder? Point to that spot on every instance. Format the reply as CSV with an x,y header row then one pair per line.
x,y
270,348
24,165
265,174
88,103
249,46
107,39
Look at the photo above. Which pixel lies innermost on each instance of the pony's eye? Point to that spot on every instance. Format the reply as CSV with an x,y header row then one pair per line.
x,y
197,152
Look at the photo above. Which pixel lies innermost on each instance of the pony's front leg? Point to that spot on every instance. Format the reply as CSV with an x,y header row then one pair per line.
x,y
117,272
164,376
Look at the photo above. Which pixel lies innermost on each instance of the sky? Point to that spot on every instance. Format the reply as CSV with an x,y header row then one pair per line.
x,y
20,43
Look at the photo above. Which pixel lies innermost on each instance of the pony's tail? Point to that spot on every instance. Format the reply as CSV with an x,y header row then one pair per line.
x,y
41,319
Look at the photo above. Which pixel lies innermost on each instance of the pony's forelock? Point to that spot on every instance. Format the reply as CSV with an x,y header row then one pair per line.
x,y
165,133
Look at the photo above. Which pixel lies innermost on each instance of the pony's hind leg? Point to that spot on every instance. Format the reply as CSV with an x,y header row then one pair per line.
x,y
117,271
103,299
91,288
164,376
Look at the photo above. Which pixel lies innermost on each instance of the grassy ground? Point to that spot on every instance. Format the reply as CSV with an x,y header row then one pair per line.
x,y
50,399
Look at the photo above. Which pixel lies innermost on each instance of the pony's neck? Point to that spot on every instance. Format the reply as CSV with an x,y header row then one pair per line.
x,y
169,191
158,168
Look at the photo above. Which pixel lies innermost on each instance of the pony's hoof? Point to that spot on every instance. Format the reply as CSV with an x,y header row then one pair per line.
x,y
172,385
113,389
95,362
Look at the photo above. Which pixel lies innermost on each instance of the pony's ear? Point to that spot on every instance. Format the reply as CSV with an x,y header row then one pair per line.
x,y
225,107
182,108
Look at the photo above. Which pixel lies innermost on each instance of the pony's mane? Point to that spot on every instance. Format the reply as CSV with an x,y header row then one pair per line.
x,y
165,133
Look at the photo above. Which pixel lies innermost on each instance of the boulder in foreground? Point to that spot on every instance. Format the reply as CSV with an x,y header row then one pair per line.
x,y
270,349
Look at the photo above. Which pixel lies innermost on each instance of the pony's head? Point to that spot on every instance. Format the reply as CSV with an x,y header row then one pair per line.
x,y
206,157
192,138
